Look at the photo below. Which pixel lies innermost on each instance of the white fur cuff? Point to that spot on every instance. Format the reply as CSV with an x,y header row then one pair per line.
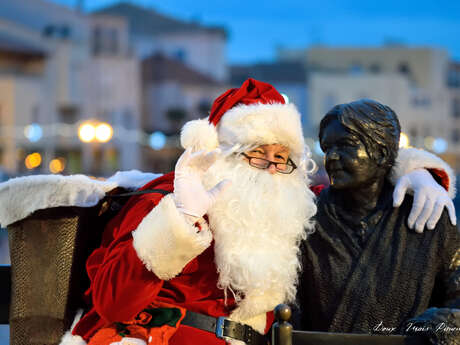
x,y
69,338
411,159
165,242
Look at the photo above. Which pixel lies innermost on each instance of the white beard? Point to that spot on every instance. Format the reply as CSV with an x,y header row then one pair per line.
x,y
257,225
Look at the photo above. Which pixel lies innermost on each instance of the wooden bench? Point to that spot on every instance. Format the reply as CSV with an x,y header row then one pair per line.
x,y
47,277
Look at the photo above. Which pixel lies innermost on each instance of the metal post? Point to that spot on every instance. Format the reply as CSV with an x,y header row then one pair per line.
x,y
282,329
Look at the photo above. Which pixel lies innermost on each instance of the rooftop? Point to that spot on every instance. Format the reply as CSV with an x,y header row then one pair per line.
x,y
18,47
278,72
158,68
145,21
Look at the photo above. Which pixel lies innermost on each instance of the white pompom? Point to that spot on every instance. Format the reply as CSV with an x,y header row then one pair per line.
x,y
199,135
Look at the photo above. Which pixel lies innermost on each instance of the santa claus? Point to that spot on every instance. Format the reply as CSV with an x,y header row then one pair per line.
x,y
207,256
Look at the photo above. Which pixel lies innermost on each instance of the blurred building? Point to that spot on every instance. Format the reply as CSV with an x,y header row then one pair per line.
x,y
113,90
453,83
183,68
56,70
199,47
172,94
410,80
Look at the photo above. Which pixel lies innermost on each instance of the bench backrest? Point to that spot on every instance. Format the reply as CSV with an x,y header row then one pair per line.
x,y
48,251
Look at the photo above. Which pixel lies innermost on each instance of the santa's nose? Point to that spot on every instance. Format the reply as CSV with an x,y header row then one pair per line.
x,y
332,155
272,169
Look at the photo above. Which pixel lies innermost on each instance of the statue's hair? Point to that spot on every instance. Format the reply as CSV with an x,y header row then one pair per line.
x,y
375,124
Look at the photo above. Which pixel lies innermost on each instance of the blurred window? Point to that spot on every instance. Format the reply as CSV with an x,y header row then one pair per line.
x,y
68,114
112,159
112,37
456,135
180,55
375,68
59,31
456,108
97,40
204,107
48,30
35,118
105,41
421,101
356,68
453,77
72,160
128,119
403,68
65,31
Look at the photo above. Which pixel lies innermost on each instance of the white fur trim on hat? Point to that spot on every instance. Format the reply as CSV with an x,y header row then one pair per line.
x,y
165,242
199,135
411,158
248,125
259,124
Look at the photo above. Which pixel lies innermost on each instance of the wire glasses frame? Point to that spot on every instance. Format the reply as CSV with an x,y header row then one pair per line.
x,y
281,167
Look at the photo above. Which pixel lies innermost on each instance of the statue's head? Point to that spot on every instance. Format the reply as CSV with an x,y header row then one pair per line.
x,y
360,140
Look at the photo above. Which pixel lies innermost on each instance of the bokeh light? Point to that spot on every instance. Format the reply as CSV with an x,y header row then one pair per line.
x,y
428,142
33,132
86,132
439,145
157,140
104,132
403,140
57,165
33,160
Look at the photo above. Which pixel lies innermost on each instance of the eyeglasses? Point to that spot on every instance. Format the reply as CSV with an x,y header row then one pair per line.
x,y
282,167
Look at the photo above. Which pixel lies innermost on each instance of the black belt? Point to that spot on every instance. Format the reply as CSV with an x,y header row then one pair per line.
x,y
223,328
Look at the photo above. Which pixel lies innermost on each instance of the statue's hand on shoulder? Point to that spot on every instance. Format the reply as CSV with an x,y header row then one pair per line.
x,y
430,198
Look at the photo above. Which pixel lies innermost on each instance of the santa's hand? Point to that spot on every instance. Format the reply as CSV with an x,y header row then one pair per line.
x,y
430,198
190,196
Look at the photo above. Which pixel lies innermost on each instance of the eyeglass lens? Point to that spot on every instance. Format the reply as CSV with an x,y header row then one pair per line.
x,y
264,164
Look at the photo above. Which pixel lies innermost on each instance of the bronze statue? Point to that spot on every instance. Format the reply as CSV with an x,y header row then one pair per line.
x,y
364,270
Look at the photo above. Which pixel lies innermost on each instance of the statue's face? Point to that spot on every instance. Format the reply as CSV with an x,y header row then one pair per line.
x,y
346,159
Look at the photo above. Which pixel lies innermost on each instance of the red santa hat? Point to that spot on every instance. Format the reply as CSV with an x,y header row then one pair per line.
x,y
254,114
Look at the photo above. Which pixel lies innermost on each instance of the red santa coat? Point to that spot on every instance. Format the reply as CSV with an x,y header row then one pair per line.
x,y
122,285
